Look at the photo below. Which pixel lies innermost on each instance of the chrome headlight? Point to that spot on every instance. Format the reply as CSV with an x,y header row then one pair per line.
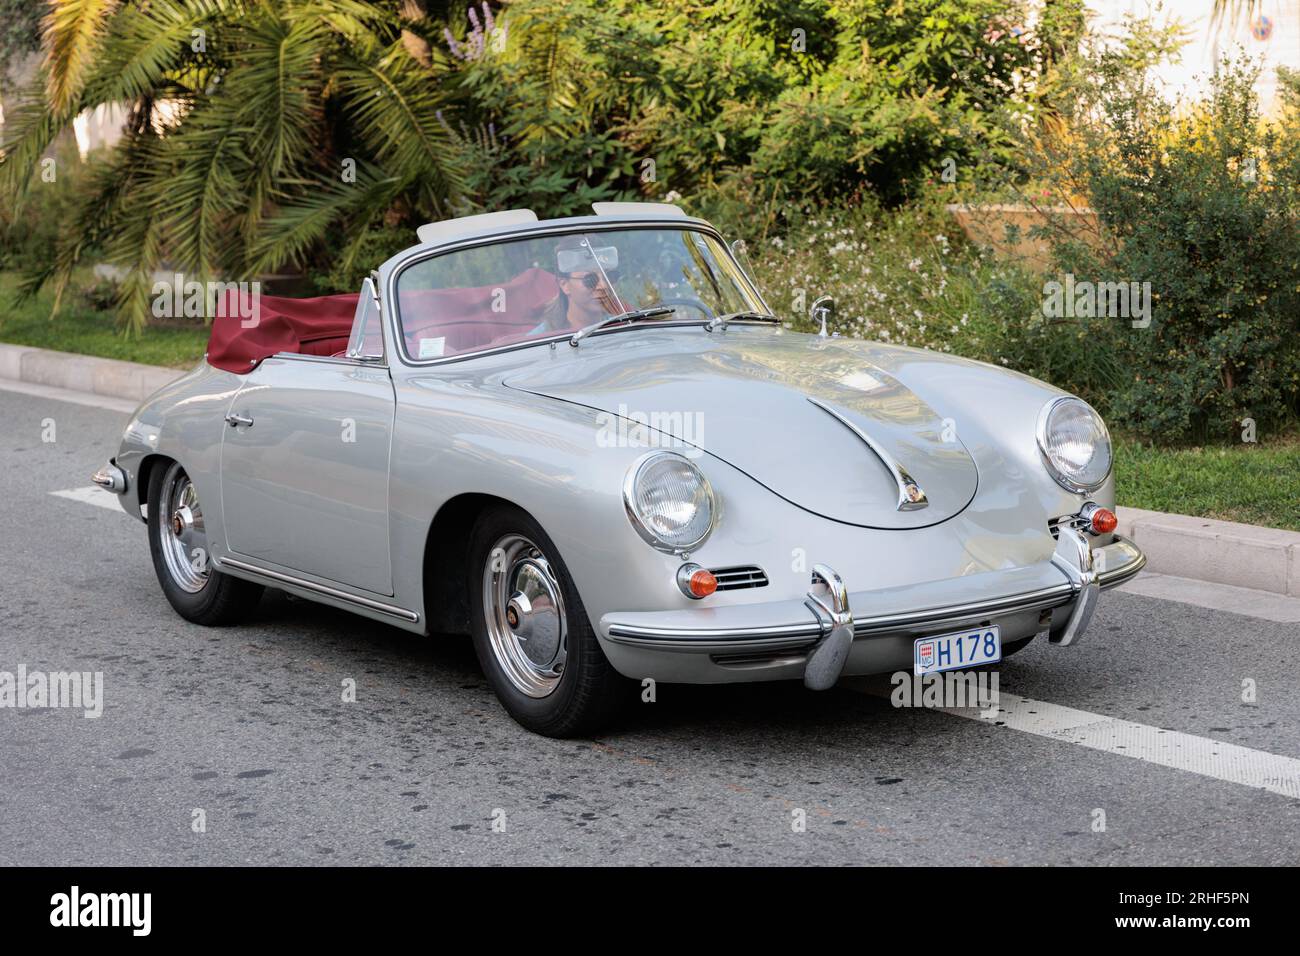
x,y
1075,444
669,502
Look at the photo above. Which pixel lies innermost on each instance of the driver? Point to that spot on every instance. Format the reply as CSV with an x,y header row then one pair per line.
x,y
585,296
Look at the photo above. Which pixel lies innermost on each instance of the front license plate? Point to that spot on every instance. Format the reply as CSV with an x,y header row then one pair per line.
x,y
950,652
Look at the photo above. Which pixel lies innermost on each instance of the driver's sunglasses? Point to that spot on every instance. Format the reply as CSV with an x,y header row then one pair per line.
x,y
592,279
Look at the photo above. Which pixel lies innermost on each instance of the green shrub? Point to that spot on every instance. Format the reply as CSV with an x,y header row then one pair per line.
x,y
34,225
1203,202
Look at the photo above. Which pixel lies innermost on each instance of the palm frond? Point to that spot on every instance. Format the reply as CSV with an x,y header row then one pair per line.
x,y
202,196
146,44
300,225
276,83
397,114
30,128
73,31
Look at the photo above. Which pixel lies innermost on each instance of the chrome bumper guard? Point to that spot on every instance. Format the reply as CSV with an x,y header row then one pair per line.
x,y
823,624
1074,557
829,600
110,478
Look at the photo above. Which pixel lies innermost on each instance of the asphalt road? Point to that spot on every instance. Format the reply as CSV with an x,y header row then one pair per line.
x,y
247,724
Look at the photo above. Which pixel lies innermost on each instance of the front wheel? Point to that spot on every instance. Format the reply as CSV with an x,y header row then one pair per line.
x,y
531,633
178,542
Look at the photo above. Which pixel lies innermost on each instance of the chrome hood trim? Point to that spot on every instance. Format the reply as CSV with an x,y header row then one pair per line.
x,y
910,495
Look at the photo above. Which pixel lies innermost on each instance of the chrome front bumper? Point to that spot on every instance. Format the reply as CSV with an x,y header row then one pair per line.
x,y
820,632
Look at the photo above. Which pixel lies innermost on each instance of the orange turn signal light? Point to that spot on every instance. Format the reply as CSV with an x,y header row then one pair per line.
x,y
1103,521
703,583
695,581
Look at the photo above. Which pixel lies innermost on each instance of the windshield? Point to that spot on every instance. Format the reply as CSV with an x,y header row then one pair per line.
x,y
516,290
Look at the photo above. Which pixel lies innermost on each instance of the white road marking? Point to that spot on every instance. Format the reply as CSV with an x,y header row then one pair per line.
x,y
92,495
1167,748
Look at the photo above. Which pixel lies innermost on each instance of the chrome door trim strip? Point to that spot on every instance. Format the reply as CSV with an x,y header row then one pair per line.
x,y
390,609
910,495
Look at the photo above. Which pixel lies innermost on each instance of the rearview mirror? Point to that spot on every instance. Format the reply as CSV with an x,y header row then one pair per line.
x,y
568,261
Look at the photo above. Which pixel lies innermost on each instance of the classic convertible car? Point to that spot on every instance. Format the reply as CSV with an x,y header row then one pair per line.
x,y
588,443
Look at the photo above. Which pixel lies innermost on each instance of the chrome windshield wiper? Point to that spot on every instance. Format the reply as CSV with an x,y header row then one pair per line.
x,y
722,320
629,316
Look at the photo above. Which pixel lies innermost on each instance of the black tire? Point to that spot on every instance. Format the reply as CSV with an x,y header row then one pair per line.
x,y
207,596
586,691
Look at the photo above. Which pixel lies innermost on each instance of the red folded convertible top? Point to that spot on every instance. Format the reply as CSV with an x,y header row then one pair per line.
x,y
243,335
442,321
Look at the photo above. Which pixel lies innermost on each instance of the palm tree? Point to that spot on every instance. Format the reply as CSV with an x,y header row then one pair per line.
x,y
256,130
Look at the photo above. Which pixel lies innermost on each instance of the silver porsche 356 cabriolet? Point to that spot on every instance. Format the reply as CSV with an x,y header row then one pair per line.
x,y
588,443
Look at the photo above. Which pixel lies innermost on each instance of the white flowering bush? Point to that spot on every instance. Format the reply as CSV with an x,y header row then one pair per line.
x,y
908,276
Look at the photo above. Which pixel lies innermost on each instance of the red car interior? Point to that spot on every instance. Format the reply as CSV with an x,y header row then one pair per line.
x,y
464,320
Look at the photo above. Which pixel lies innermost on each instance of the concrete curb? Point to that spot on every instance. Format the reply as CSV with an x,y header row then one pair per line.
x,y
1222,552
83,373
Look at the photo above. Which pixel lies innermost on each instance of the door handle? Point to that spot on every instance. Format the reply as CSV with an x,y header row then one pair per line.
x,y
235,420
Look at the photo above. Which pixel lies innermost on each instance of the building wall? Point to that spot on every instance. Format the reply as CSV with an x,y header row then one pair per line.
x,y
1207,44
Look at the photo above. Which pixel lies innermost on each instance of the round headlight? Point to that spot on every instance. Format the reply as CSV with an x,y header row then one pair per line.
x,y
1075,444
669,502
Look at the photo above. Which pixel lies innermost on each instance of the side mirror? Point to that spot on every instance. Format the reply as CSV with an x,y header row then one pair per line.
x,y
823,311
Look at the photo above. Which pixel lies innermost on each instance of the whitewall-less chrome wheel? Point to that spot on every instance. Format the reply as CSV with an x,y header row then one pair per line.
x,y
182,536
525,619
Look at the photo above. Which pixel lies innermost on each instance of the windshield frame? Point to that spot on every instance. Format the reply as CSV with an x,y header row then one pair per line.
x,y
585,225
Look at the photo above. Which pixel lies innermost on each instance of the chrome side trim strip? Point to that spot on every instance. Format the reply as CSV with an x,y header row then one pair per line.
x,y
910,495
390,609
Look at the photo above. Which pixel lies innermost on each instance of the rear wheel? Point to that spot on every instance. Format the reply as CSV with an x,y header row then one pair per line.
x,y
178,542
531,633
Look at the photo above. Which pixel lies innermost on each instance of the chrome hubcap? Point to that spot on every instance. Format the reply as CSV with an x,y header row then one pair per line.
x,y
526,624
184,540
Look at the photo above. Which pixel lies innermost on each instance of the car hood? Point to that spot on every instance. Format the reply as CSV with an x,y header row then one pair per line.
x,y
748,400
